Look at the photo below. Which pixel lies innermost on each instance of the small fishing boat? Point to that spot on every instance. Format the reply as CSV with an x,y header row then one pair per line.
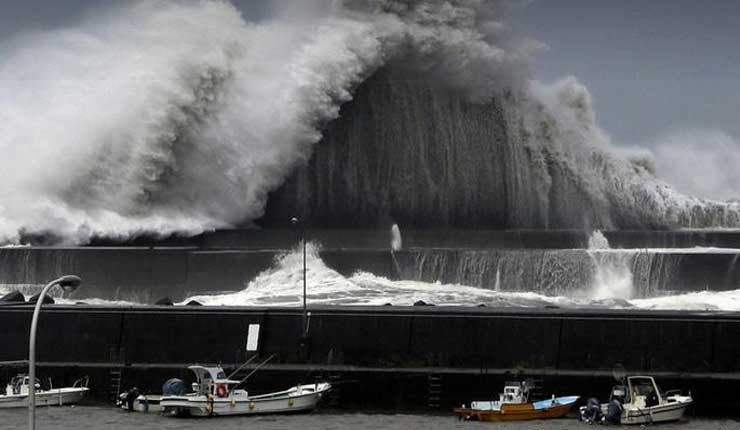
x,y
17,391
514,405
214,394
639,401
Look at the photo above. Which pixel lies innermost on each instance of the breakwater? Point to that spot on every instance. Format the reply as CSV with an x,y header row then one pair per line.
x,y
544,262
381,347
336,238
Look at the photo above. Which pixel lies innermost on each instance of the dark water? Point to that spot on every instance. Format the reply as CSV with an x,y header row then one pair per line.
x,y
108,418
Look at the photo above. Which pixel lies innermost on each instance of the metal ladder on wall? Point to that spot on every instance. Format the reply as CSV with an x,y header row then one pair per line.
x,y
114,383
115,375
334,394
434,391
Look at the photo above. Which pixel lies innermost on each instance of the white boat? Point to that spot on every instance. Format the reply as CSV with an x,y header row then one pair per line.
x,y
135,402
640,402
214,394
16,393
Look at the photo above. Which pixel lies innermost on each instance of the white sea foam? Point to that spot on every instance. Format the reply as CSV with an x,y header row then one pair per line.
x,y
701,300
282,285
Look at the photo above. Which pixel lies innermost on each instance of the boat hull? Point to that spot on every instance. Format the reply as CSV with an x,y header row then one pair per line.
x,y
201,407
54,397
149,403
655,414
516,412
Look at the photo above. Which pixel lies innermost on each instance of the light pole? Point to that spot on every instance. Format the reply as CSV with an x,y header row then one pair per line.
x,y
295,221
68,283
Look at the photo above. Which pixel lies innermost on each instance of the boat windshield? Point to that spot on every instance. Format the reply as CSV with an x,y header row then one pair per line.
x,y
16,383
643,387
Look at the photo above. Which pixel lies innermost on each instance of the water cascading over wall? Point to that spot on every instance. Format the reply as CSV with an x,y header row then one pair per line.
x,y
410,150
593,273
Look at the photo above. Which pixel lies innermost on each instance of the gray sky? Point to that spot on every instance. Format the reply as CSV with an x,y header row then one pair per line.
x,y
654,67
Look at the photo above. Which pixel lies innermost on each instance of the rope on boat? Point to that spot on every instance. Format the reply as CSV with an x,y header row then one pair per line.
x,y
252,372
241,367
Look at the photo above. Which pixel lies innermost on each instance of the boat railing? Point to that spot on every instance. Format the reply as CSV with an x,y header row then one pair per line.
x,y
82,382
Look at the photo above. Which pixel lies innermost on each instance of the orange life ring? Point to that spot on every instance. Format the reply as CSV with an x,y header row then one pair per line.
x,y
221,390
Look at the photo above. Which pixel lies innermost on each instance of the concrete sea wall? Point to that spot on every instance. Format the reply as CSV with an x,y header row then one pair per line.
x,y
147,274
384,346
378,238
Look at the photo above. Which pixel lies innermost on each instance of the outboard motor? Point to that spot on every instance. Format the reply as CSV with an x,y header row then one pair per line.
x,y
174,387
129,397
591,413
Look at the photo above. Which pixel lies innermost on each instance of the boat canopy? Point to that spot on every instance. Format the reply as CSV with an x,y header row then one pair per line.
x,y
211,374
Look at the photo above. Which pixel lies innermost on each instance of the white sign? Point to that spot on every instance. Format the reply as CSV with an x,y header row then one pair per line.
x,y
253,336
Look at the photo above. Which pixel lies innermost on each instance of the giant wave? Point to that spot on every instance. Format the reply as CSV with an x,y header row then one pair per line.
x,y
178,117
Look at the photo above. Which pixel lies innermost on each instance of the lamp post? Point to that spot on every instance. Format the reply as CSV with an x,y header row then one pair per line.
x,y
295,221
68,283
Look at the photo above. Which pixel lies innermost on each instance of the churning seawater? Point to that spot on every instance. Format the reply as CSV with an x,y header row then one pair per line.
x,y
109,418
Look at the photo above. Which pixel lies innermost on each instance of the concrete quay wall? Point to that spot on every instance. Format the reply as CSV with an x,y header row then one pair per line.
x,y
384,346
145,275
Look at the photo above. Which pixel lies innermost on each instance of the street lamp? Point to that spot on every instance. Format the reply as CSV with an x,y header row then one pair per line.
x,y
295,221
68,283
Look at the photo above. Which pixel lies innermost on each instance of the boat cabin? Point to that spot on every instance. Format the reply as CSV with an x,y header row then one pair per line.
x,y
643,391
211,380
19,385
514,392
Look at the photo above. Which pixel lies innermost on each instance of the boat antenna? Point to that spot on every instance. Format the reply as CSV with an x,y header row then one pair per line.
x,y
241,367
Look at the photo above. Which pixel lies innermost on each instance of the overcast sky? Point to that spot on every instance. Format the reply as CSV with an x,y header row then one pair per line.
x,y
653,66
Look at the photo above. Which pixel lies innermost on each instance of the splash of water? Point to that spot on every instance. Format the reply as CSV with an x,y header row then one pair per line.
x,y
597,240
613,277
170,116
396,242
282,286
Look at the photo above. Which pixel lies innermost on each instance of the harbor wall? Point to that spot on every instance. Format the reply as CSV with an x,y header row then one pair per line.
x,y
476,338
145,275
386,345
379,238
